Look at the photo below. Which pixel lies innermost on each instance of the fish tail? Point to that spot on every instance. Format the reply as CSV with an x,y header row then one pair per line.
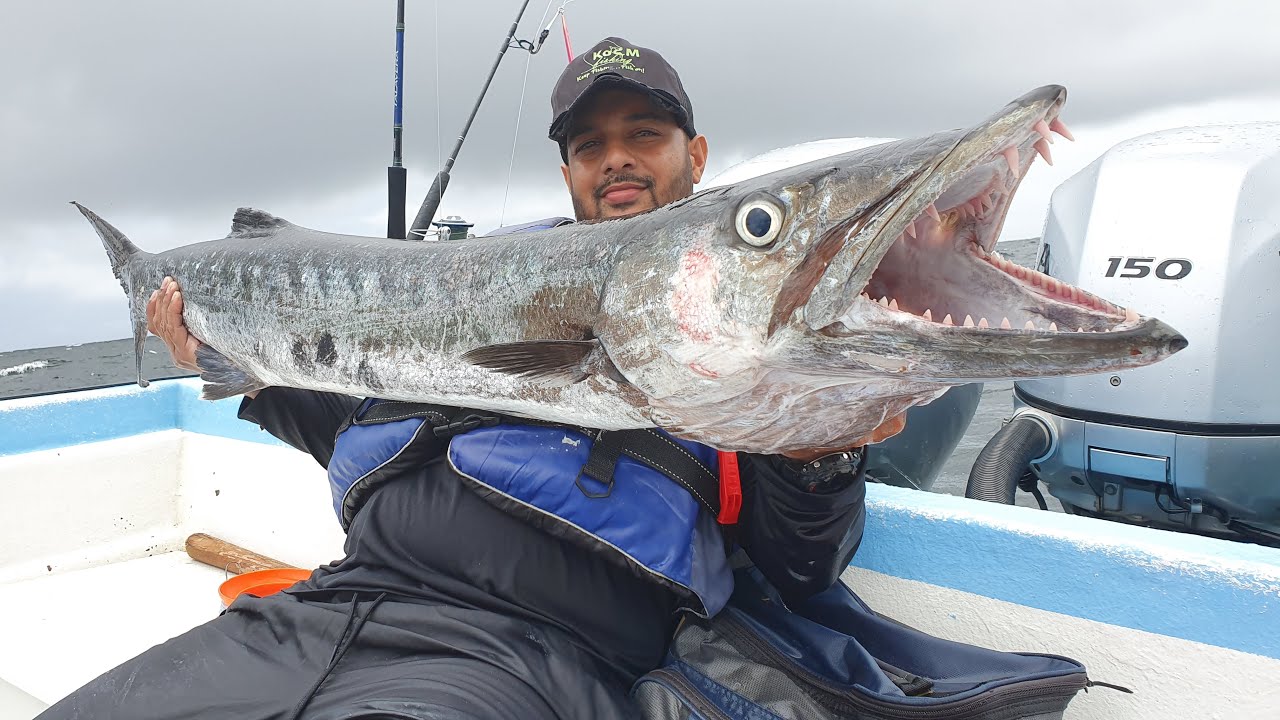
x,y
120,251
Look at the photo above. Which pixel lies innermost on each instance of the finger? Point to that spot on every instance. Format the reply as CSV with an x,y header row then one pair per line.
x,y
162,307
151,312
174,312
185,355
193,346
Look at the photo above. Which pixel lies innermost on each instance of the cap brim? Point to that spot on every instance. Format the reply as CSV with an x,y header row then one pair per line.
x,y
560,126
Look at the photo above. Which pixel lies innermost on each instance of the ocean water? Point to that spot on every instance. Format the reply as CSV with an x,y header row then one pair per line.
x,y
57,369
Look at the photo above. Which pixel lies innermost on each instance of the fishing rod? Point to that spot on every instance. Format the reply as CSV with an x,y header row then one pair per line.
x,y
396,173
427,212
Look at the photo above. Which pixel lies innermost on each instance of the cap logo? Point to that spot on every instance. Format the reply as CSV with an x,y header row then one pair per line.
x,y
611,59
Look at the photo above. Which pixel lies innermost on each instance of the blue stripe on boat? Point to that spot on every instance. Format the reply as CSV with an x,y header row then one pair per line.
x,y
65,419
1184,586
1212,591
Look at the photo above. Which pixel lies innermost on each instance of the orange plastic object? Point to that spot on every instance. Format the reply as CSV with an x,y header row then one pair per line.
x,y
260,583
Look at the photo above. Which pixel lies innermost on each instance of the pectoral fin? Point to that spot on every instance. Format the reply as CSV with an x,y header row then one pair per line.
x,y
221,376
561,361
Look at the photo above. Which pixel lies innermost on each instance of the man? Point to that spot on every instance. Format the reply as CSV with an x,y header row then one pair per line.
x,y
463,591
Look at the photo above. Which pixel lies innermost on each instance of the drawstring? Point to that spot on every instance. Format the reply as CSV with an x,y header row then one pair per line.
x,y
344,642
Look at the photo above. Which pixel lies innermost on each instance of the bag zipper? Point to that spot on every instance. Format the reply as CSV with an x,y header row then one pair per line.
x,y
1011,701
687,693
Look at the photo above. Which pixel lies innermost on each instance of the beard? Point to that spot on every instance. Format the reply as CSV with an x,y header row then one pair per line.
x,y
679,187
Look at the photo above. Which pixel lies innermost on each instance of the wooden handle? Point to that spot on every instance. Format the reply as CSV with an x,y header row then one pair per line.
x,y
227,556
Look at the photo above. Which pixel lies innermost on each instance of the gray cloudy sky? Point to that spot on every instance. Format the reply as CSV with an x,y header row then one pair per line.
x,y
165,116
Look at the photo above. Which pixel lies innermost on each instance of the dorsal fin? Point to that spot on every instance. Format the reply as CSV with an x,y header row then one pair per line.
x,y
251,222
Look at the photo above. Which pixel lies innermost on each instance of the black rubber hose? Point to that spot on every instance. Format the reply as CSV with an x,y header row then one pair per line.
x,y
995,474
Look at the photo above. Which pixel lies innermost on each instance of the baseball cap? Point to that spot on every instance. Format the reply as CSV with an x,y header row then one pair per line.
x,y
616,62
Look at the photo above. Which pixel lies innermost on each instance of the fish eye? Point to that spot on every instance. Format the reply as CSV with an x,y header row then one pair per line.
x,y
758,222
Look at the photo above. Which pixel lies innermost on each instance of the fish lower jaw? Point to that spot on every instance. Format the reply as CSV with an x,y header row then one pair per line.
x,y
1054,289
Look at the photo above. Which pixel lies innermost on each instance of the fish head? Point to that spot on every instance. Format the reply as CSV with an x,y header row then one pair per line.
x,y
873,264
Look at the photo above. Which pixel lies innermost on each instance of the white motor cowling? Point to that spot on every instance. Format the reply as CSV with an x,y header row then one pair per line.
x,y
1183,225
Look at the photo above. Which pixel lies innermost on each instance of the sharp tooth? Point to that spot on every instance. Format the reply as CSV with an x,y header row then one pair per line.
x,y
1061,128
927,315
982,323
893,304
1053,327
1043,128
1080,329
947,320
911,228
884,300
1130,315
1004,324
932,212
1042,147
968,321
1029,327
1051,285
1011,157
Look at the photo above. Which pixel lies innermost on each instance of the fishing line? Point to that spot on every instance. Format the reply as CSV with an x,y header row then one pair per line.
x,y
515,140
436,29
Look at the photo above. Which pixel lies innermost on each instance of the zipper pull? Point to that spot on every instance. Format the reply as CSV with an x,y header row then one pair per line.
x,y
1094,683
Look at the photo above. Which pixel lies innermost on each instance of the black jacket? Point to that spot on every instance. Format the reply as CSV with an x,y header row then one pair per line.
x,y
801,540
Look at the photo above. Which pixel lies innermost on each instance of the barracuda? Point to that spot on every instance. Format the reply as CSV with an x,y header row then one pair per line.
x,y
797,310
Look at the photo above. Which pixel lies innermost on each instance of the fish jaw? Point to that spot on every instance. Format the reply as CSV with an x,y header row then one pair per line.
x,y
875,345
917,292
952,171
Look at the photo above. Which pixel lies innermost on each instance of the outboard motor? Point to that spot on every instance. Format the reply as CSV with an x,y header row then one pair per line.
x,y
1183,225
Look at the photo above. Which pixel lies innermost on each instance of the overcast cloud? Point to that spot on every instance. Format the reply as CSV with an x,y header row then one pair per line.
x,y
164,117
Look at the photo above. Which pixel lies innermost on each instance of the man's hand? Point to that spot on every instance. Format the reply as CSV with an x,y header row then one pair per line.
x,y
887,429
164,320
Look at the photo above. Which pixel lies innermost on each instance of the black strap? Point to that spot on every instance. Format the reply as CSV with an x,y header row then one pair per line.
x,y
657,451
605,452
393,410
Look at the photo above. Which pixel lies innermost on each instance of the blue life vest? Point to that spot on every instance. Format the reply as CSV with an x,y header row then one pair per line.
x,y
646,520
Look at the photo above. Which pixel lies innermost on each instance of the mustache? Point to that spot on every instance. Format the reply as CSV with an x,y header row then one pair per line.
x,y
647,182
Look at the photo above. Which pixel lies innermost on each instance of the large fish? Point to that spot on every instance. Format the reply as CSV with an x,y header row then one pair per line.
x,y
796,310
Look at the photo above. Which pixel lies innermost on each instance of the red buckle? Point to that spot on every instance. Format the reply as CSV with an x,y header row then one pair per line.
x,y
730,489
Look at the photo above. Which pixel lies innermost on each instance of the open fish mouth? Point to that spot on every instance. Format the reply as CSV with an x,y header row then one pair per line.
x,y
942,270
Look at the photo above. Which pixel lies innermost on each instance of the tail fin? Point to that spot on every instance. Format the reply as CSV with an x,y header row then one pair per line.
x,y
119,251
119,248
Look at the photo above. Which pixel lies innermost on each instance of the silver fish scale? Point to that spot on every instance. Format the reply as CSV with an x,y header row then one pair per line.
x,y
383,318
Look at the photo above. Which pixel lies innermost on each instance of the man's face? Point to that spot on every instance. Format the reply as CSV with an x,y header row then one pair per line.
x,y
627,155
